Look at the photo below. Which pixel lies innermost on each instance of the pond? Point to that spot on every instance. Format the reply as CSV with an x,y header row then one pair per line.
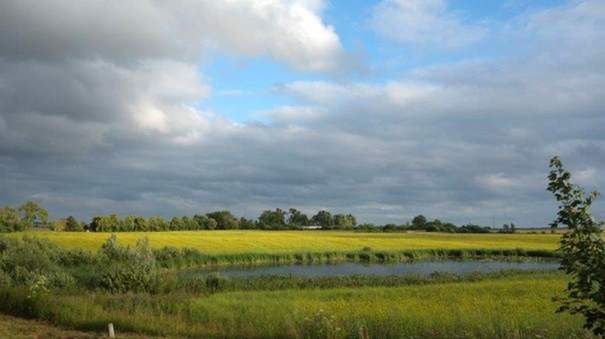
x,y
416,268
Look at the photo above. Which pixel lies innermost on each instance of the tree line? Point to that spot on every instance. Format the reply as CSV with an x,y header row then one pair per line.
x,y
421,223
32,214
277,219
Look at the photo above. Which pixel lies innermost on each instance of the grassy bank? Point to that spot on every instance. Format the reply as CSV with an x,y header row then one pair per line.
x,y
505,307
280,242
181,258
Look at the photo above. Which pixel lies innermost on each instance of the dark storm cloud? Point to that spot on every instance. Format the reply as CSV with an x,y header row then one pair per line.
x,y
97,118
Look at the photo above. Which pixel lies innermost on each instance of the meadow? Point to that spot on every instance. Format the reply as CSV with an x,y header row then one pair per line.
x,y
507,307
497,305
283,242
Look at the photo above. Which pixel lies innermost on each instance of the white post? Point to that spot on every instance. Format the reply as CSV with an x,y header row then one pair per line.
x,y
112,334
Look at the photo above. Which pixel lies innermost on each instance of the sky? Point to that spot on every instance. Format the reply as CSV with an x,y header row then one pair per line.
x,y
384,109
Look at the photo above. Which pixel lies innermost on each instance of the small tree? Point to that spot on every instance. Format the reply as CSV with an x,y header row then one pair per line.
x,y
246,224
176,224
72,225
33,214
324,219
272,219
582,249
224,219
419,222
297,218
342,221
10,220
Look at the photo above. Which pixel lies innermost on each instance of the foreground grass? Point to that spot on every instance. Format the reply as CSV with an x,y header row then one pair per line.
x,y
283,242
12,327
509,307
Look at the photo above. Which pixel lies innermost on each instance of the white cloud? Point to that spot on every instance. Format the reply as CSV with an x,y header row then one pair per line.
x,y
290,31
424,22
288,114
497,182
585,176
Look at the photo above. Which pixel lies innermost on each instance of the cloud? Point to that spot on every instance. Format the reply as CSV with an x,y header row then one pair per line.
x,y
290,31
497,182
116,125
132,68
424,23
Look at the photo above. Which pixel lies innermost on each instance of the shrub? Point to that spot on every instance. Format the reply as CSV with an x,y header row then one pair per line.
x,y
72,225
31,261
10,220
126,269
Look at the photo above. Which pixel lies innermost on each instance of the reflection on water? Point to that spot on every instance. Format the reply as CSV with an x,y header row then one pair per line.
x,y
417,268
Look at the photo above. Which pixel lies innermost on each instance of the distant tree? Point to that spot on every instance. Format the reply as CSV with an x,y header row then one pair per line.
x,y
201,221
342,221
367,227
188,223
72,225
449,227
513,228
94,224
470,228
112,223
157,223
324,219
297,218
389,228
352,220
33,215
58,225
582,249
432,226
127,224
212,224
224,220
246,224
105,223
10,220
176,224
272,219
418,222
140,224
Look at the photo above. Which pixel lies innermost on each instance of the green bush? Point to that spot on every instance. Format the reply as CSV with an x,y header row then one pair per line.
x,y
124,269
30,261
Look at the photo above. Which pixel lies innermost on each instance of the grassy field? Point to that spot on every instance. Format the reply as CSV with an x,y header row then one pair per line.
x,y
279,242
509,307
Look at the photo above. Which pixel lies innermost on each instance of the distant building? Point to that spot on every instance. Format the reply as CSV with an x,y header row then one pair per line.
x,y
312,227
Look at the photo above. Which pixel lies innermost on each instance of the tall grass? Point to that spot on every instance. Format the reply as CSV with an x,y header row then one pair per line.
x,y
173,257
510,307
196,283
